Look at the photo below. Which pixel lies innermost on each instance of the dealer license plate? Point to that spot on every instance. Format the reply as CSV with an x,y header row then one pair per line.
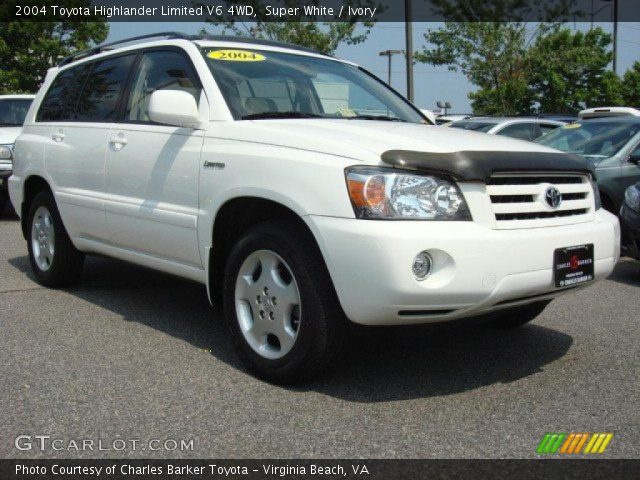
x,y
573,265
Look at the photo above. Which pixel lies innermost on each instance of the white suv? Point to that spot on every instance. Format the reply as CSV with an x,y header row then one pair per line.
x,y
301,190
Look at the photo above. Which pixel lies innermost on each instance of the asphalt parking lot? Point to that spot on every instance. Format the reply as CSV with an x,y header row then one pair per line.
x,y
133,354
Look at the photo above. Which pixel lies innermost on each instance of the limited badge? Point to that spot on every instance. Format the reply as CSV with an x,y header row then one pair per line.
x,y
236,56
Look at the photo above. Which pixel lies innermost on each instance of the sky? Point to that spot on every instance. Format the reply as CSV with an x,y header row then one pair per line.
x,y
431,84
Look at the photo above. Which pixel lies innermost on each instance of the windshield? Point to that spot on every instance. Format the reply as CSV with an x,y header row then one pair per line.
x,y
592,138
262,84
473,125
13,111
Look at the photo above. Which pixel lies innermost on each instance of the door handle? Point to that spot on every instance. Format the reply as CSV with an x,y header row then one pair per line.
x,y
118,141
57,137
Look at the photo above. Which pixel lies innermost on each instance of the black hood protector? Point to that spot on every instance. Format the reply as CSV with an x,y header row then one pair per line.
x,y
479,166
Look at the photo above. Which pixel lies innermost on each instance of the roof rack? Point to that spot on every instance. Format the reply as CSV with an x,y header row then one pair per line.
x,y
177,35
250,40
108,46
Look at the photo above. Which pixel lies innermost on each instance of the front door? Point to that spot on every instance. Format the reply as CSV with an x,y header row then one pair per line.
x,y
152,170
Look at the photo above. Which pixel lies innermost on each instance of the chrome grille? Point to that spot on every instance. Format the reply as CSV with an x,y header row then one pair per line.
x,y
519,200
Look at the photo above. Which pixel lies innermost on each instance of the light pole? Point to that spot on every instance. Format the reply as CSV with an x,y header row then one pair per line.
x,y
615,32
389,54
408,31
615,36
444,106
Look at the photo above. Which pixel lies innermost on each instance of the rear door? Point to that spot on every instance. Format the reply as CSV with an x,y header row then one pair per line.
x,y
152,169
80,104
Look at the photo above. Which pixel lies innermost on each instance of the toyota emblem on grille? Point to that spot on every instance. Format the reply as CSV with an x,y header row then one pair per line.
x,y
553,197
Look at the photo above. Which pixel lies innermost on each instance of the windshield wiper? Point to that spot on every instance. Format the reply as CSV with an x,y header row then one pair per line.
x,y
291,114
383,118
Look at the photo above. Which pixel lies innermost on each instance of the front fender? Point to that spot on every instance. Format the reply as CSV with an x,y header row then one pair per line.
x,y
307,183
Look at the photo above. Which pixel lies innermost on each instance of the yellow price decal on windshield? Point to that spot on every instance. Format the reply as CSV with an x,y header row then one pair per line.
x,y
572,125
236,56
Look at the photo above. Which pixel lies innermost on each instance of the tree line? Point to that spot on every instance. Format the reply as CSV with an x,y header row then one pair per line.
x,y
521,68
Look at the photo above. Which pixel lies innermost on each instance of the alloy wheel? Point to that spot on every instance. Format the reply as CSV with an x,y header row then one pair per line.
x,y
43,238
268,306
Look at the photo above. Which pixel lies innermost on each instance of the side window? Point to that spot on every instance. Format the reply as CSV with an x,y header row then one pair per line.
x,y
547,127
159,70
58,103
98,101
523,131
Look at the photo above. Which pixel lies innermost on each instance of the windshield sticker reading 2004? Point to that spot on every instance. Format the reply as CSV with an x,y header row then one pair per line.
x,y
236,56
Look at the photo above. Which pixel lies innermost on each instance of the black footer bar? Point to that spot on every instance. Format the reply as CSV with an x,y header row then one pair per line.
x,y
120,469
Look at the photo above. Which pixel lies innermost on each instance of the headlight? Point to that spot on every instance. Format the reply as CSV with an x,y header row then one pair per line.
x,y
596,194
389,194
632,198
6,152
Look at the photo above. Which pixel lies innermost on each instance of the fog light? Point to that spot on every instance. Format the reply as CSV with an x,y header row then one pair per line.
x,y
422,265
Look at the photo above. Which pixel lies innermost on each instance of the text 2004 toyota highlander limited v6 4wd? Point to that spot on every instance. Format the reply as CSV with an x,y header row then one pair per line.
x,y
301,190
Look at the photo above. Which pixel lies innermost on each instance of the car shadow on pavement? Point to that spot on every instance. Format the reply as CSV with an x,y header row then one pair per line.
x,y
391,364
8,215
171,305
627,272
421,362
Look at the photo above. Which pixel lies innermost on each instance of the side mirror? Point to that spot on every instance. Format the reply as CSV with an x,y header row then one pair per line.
x,y
173,107
635,157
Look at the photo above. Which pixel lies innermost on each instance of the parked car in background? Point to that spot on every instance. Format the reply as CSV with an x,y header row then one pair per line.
x,y
630,221
447,119
523,128
608,112
612,144
13,110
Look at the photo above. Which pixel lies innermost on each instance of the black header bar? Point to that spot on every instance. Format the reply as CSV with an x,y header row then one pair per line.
x,y
317,10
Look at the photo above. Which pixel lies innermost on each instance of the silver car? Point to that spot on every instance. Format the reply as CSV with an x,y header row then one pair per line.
x,y
524,128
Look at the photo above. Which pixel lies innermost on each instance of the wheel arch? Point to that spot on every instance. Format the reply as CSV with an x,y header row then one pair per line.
x,y
233,218
32,186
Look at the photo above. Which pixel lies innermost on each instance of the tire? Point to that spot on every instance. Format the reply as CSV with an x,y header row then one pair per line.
x,y
4,200
287,343
55,262
517,316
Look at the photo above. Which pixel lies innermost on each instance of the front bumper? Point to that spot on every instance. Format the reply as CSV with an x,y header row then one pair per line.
x,y
630,222
476,269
